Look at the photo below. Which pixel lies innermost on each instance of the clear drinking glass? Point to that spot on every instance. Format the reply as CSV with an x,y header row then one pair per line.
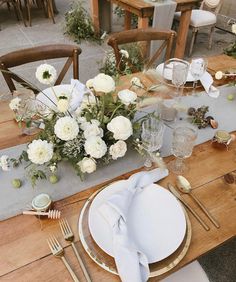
x,y
182,145
176,71
152,137
198,67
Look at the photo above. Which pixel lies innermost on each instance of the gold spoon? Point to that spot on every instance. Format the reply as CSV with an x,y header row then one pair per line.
x,y
185,187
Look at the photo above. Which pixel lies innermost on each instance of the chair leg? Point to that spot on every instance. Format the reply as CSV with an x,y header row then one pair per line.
x,y
211,37
27,4
194,32
19,10
50,10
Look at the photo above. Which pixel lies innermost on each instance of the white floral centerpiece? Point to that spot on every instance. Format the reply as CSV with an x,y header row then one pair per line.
x,y
97,131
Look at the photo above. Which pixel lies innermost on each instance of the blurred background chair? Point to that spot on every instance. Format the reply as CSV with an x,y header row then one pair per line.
x,y
16,4
143,35
205,16
34,54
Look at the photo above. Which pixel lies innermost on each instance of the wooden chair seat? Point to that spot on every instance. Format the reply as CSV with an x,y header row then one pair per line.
x,y
140,35
34,54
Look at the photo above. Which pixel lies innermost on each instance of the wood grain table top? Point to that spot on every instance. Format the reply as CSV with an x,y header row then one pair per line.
x,y
25,255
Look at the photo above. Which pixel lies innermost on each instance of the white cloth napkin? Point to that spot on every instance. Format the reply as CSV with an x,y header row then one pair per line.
x,y
131,263
79,89
207,81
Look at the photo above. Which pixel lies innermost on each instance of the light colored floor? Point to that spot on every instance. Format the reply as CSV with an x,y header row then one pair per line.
x,y
14,35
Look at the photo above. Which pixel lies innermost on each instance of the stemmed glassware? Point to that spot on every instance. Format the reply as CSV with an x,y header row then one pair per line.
x,y
152,137
184,137
176,70
197,69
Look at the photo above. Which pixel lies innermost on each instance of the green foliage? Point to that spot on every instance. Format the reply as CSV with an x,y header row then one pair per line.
x,y
135,62
231,50
78,24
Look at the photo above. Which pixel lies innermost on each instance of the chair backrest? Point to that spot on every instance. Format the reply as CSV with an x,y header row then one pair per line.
x,y
211,5
147,34
34,54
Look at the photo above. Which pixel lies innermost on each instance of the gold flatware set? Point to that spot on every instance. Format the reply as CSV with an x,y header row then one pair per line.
x,y
185,187
58,251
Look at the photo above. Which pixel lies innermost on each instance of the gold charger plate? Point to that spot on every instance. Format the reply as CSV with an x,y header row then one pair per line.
x,y
108,263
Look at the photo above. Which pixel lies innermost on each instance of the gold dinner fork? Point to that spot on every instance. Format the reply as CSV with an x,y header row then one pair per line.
x,y
69,236
58,251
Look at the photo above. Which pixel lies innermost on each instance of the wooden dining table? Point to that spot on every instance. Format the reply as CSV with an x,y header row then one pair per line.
x,y
144,11
24,253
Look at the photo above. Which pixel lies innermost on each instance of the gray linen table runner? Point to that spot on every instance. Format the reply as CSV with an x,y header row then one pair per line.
x,y
14,201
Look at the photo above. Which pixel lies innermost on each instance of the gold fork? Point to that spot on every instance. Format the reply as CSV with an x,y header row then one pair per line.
x,y
58,251
69,236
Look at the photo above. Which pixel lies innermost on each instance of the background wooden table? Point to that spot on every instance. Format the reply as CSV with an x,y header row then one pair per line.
x,y
144,11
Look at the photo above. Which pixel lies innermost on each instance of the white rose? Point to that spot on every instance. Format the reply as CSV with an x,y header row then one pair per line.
x,y
66,128
118,150
121,127
46,74
87,165
103,83
219,75
62,104
40,151
92,130
127,96
95,147
124,53
4,163
234,28
15,104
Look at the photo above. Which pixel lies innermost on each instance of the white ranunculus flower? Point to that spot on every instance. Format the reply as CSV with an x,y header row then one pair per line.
x,y
87,165
118,149
46,74
15,104
121,127
81,120
40,151
219,75
89,83
135,81
92,130
95,147
63,104
103,83
66,128
95,121
4,163
127,96
234,28
124,53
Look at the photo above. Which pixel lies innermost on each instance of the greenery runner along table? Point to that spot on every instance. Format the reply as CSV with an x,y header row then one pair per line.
x,y
25,255
145,10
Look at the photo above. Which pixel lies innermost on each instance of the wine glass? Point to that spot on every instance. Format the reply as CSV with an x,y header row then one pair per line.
x,y
183,140
176,71
152,137
197,69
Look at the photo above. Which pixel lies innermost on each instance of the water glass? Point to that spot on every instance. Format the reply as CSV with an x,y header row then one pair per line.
x,y
184,137
197,69
152,137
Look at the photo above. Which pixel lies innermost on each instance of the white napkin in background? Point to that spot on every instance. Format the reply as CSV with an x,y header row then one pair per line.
x,y
79,89
207,81
131,263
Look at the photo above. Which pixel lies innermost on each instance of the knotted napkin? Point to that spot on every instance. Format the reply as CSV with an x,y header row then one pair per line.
x,y
131,263
207,81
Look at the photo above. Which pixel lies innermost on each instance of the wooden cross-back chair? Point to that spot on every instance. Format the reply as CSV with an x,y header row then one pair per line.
x,y
34,54
139,35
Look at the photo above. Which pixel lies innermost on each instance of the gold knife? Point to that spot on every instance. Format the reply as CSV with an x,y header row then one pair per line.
x,y
179,197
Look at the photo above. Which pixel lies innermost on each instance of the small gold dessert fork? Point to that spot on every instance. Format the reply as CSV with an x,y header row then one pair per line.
x,y
58,251
69,236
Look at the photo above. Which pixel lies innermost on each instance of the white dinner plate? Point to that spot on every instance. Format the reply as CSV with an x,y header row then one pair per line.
x,y
58,90
168,74
156,221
